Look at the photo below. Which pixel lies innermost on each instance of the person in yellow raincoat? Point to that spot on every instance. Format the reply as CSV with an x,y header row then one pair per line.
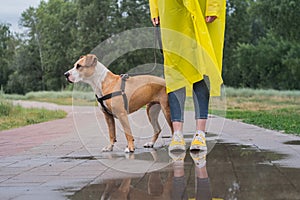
x,y
192,33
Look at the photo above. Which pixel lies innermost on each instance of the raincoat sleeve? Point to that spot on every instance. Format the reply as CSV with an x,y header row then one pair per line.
x,y
153,4
213,7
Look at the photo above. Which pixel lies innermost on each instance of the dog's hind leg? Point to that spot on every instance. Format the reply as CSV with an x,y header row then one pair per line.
x,y
167,113
153,110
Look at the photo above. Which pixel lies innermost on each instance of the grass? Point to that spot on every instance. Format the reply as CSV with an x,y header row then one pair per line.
x,y
16,116
286,120
271,109
60,98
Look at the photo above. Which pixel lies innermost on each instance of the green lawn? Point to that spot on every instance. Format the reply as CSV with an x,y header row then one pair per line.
x,y
16,116
276,110
286,119
271,109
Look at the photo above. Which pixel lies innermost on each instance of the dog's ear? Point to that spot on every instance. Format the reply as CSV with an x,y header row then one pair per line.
x,y
91,60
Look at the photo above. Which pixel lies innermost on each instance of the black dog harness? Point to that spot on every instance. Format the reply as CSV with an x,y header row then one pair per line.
x,y
101,100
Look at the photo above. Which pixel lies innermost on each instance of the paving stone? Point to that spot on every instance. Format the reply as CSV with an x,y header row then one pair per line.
x,y
55,159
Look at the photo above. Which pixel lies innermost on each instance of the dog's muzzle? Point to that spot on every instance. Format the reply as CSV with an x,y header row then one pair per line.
x,y
67,74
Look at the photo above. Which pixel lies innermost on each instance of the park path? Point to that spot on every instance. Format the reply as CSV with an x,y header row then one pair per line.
x,y
54,159
21,139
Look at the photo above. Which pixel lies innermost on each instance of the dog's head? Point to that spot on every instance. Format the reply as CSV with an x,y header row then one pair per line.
x,y
83,69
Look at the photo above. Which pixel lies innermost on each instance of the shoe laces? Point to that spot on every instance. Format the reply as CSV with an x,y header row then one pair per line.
x,y
199,136
177,137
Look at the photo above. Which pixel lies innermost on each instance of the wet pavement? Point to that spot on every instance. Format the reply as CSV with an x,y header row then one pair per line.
x,y
62,159
235,172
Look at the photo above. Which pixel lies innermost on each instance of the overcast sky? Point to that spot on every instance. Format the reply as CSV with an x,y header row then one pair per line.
x,y
11,10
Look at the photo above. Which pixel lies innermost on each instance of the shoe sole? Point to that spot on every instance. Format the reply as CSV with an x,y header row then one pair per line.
x,y
177,148
198,148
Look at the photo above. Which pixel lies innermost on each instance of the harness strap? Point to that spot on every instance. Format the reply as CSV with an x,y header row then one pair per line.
x,y
114,94
125,100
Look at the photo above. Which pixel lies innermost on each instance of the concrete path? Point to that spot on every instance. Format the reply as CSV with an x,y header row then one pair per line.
x,y
52,160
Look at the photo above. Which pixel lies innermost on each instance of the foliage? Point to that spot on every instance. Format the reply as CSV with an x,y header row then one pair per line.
x,y
262,44
271,109
55,40
5,108
248,92
279,71
7,46
286,119
261,50
16,116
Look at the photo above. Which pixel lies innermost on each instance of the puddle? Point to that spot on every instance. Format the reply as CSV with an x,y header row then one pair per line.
x,y
78,158
234,171
293,142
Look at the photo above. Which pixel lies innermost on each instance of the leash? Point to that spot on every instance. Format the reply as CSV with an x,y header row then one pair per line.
x,y
157,39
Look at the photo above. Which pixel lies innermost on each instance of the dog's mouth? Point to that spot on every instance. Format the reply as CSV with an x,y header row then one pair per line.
x,y
67,75
69,80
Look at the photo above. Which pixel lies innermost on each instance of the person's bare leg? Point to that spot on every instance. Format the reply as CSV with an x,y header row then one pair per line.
x,y
201,172
177,126
201,124
179,184
203,190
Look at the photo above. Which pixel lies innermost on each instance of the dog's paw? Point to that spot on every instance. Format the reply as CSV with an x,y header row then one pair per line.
x,y
108,148
127,150
149,145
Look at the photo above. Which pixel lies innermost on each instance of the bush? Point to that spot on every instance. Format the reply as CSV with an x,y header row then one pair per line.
x,y
272,63
5,108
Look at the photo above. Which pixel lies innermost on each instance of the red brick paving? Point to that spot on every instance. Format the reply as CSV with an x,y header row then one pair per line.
x,y
21,139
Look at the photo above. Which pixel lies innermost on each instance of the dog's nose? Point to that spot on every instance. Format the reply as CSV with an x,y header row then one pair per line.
x,y
67,74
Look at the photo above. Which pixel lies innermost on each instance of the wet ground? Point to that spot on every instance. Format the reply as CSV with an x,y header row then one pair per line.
x,y
235,172
62,159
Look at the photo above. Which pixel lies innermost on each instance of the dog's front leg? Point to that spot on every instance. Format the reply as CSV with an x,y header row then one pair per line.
x,y
126,127
112,132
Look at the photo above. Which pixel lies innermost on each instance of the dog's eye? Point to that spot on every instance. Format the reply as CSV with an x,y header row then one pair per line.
x,y
78,66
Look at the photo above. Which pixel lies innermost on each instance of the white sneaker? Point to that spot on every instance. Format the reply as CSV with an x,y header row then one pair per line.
x,y
177,142
199,158
199,141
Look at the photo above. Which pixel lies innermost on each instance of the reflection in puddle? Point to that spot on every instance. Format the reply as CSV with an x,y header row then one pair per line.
x,y
235,172
293,142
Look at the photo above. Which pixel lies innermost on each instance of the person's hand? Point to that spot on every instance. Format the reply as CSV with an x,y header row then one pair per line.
x,y
155,21
210,19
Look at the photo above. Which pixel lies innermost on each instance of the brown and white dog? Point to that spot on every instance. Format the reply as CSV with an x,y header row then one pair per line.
x,y
140,90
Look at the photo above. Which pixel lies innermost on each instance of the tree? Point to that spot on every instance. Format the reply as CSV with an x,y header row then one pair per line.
x,y
282,17
95,22
238,30
132,15
27,75
7,46
261,47
56,21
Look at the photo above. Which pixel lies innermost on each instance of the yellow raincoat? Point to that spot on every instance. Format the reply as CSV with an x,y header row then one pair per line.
x,y
192,47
